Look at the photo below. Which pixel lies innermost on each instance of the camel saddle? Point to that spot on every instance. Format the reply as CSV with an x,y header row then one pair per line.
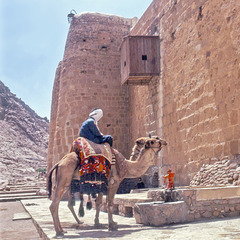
x,y
89,149
96,160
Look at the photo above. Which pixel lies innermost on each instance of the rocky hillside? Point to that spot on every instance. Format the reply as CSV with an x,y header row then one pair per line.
x,y
23,138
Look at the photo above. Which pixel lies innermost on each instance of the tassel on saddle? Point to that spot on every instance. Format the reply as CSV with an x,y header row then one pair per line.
x,y
81,208
89,203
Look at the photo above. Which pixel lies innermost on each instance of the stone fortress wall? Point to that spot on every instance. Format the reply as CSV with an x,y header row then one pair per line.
x,y
89,77
194,104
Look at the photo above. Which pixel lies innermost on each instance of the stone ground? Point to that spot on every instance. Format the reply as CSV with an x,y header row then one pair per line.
x,y
220,229
18,229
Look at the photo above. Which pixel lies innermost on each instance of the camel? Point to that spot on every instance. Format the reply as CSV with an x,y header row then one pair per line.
x,y
144,155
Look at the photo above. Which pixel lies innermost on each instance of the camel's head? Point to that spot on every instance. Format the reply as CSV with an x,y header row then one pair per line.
x,y
154,143
149,145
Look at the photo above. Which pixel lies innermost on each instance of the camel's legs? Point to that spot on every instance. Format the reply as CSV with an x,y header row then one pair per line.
x,y
58,194
62,185
98,206
72,209
81,208
112,189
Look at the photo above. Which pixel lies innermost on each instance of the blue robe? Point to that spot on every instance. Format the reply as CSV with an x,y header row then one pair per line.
x,y
90,131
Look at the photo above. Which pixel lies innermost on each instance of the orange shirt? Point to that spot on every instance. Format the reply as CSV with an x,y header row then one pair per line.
x,y
170,178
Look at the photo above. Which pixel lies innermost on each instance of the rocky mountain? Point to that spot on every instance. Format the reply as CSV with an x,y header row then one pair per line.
x,y
23,139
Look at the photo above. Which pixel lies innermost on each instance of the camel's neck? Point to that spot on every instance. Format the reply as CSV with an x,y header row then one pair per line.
x,y
135,154
140,166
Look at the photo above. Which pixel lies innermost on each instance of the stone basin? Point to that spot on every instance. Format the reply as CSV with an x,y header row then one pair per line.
x,y
160,213
192,204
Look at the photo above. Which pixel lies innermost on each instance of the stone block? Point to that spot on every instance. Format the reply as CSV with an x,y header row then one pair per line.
x,y
226,148
234,200
217,193
237,207
207,214
235,176
158,213
104,207
234,147
190,218
234,117
115,209
218,150
236,132
228,133
197,215
125,211
233,214
215,213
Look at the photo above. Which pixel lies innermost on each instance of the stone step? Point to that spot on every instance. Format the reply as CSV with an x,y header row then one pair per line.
x,y
129,200
124,203
15,188
18,198
22,184
35,182
25,187
18,195
20,191
23,190
29,182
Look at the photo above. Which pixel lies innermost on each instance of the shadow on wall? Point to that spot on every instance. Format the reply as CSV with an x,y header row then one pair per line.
x,y
138,183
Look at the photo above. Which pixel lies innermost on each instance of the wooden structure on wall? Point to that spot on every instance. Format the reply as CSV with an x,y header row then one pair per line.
x,y
140,59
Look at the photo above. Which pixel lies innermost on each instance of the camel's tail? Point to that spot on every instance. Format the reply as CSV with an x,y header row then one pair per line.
x,y
49,179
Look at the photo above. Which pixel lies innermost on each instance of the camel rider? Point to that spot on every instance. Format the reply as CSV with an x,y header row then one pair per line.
x,y
90,131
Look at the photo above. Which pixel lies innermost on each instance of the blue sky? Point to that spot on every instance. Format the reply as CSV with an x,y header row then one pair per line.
x,y
32,41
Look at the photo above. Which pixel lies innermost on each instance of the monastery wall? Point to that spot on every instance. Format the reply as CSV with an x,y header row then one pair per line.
x,y
195,103
89,77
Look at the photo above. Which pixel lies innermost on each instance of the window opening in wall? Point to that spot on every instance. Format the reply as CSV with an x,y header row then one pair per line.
x,y
84,40
144,57
125,63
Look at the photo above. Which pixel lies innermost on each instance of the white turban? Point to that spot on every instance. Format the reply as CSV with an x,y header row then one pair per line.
x,y
96,114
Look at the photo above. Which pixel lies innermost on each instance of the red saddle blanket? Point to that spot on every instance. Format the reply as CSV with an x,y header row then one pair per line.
x,y
95,161
89,148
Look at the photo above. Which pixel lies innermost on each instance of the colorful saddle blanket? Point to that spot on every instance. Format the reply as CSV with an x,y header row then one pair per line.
x,y
95,166
90,148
